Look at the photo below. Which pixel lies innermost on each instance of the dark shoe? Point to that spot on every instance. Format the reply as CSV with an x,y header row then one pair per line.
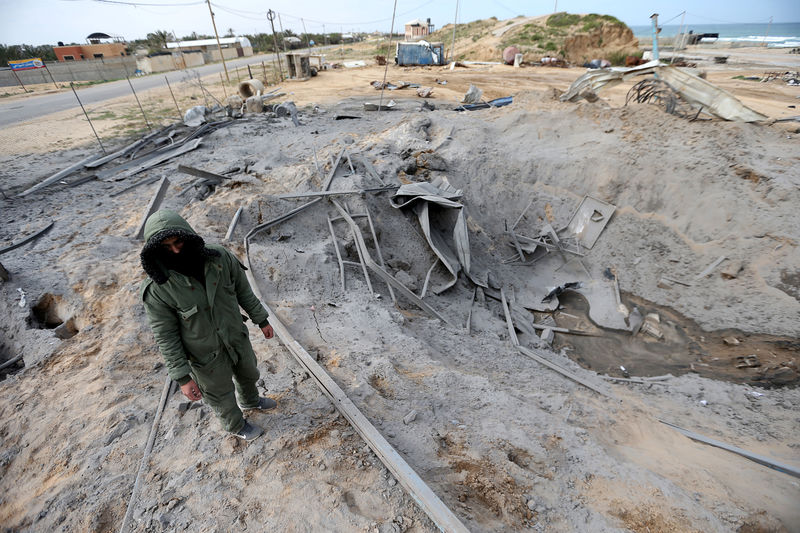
x,y
248,432
263,403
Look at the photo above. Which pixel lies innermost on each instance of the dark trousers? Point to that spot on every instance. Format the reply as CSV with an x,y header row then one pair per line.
x,y
219,379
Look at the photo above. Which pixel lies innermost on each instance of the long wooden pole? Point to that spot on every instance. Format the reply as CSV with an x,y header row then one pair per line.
x,y
219,45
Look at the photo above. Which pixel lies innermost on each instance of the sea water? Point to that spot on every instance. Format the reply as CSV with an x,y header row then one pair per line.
x,y
776,35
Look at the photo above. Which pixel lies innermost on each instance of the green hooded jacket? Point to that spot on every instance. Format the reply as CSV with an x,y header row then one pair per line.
x,y
192,324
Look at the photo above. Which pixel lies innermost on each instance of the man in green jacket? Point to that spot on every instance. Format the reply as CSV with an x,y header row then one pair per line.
x,y
192,297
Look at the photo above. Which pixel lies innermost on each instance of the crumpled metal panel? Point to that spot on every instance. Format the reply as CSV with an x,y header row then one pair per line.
x,y
438,228
695,90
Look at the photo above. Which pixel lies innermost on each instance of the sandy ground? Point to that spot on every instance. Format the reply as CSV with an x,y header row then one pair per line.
x,y
506,443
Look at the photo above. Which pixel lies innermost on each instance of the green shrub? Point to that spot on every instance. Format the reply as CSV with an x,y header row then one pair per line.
x,y
550,46
618,57
563,19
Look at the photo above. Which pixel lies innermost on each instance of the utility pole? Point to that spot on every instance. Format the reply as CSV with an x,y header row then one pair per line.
x,y
271,18
219,46
654,18
283,35
305,32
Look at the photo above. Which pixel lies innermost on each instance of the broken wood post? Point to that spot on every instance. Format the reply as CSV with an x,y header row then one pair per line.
x,y
155,203
419,491
234,222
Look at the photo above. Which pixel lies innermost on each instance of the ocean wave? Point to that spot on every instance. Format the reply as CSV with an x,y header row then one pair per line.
x,y
760,38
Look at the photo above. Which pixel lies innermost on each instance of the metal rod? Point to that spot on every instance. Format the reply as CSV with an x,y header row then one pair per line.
x,y
72,85
180,114
377,247
512,335
10,362
424,290
137,101
20,81
338,254
234,222
361,259
760,459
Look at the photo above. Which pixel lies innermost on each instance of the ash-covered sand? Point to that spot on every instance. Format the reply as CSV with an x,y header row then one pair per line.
x,y
506,443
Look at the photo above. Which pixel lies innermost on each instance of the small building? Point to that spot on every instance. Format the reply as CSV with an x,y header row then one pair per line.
x,y
166,61
100,46
416,29
419,53
232,47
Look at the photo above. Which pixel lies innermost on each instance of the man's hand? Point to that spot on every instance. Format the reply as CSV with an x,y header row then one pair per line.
x,y
191,390
268,331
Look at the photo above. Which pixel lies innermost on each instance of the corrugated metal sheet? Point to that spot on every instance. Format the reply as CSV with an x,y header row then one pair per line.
x,y
420,53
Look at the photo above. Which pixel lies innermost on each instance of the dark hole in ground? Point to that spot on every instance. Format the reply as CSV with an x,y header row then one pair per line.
x,y
5,357
44,315
728,355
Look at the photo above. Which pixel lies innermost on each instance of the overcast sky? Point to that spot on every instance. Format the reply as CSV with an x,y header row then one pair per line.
x,y
50,21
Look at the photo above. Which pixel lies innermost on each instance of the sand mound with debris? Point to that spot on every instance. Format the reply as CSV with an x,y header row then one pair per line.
x,y
575,38
504,442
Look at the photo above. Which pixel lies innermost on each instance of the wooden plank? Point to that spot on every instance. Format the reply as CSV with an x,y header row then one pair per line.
x,y
234,222
566,373
760,459
425,498
155,203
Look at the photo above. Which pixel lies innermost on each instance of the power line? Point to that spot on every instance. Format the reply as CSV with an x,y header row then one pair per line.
x,y
144,4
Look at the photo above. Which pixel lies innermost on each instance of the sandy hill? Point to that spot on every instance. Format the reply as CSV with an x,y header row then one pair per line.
x,y
577,38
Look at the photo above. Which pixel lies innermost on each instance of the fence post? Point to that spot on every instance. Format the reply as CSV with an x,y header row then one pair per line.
x,y
72,86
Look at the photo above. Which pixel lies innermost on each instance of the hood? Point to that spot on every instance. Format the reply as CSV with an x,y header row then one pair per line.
x,y
159,226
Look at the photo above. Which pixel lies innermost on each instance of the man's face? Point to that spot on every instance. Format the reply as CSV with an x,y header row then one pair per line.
x,y
172,244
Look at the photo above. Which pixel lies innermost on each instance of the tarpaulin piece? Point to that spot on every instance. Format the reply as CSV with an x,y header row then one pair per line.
x,y
435,204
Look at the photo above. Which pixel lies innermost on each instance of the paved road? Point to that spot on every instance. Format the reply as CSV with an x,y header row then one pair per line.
x,y
36,106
